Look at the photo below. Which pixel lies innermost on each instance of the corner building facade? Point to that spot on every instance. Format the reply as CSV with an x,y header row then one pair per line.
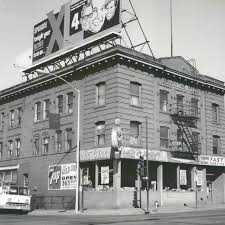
x,y
164,101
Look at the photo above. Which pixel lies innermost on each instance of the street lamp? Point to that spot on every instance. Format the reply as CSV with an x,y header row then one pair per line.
x,y
78,133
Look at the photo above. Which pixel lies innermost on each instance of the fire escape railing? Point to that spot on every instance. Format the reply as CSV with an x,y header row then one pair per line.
x,y
185,117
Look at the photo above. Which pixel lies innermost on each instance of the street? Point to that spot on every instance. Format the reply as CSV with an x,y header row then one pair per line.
x,y
194,218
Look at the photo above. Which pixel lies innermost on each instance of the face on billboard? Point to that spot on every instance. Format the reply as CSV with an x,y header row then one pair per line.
x,y
110,8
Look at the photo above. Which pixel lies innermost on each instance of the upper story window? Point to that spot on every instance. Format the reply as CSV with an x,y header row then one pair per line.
x,y
19,116
135,128
100,133
10,148
1,150
46,108
180,102
70,102
196,140
69,138
216,144
163,98
194,107
135,93
18,147
2,120
45,143
164,137
180,138
100,93
58,140
37,111
215,112
36,145
12,119
60,104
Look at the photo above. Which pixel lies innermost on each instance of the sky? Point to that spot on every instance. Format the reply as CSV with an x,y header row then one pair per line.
x,y
198,32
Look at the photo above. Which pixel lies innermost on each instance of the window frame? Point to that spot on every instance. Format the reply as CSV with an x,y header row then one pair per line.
x,y
46,109
18,147
135,94
69,139
58,144
69,102
37,111
101,94
45,143
215,113
36,150
135,140
12,118
10,148
217,151
163,104
19,112
60,108
164,139
100,133
1,150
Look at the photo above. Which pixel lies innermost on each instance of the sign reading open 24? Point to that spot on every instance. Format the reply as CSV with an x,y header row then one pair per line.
x,y
72,24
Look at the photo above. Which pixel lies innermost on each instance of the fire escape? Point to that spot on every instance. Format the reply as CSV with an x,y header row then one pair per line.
x,y
186,118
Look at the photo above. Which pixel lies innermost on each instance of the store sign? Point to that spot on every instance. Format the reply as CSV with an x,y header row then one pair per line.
x,y
74,24
211,160
95,154
183,177
62,177
135,153
105,175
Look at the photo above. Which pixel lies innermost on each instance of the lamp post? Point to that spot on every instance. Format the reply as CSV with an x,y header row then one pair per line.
x,y
78,134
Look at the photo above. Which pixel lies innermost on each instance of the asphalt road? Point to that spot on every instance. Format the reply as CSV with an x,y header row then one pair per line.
x,y
212,217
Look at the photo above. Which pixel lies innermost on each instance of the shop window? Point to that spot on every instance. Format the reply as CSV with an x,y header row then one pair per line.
x,y
18,147
100,94
135,93
194,107
37,111
45,143
163,101
69,138
164,137
70,102
1,150
12,119
46,108
19,116
216,144
135,128
215,112
10,148
36,145
58,140
60,104
100,133
8,177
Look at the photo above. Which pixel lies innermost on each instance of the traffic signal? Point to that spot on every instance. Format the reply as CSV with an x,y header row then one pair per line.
x,y
141,161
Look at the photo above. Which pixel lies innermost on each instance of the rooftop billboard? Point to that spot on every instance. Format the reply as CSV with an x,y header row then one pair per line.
x,y
75,24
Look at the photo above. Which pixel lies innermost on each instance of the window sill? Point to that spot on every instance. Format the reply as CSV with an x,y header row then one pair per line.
x,y
99,106
136,106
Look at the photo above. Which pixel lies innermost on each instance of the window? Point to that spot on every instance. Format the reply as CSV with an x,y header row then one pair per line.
x,y
69,138
46,109
1,150
2,119
164,137
100,93
36,145
10,148
100,133
58,140
135,132
180,102
216,140
135,93
45,143
25,179
18,147
196,141
19,116
12,119
163,100
70,102
37,111
194,107
60,104
215,112
180,138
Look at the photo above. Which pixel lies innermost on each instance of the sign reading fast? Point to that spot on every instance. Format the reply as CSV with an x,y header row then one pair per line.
x,y
73,24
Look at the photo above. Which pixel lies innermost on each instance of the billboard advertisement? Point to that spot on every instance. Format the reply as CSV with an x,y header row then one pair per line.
x,y
62,177
74,24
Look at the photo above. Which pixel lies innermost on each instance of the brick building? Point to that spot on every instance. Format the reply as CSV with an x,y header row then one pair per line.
x,y
183,109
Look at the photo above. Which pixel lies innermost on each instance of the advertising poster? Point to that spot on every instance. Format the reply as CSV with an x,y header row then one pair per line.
x,y
105,175
62,177
183,177
73,25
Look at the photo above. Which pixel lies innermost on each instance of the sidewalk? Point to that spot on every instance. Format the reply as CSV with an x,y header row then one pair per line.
x,y
129,211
